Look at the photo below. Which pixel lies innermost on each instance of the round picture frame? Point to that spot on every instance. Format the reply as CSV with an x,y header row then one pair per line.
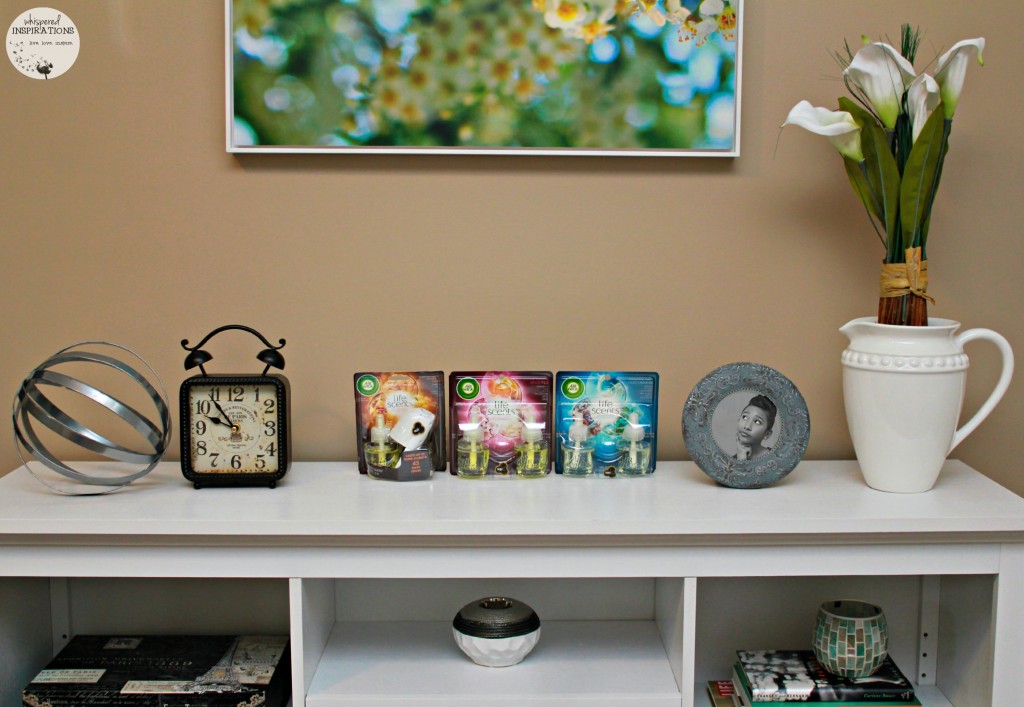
x,y
746,425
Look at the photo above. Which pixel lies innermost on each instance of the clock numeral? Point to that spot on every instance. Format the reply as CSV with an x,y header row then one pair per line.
x,y
269,405
257,391
200,427
213,459
261,463
236,461
270,427
201,448
215,394
203,407
236,394
271,450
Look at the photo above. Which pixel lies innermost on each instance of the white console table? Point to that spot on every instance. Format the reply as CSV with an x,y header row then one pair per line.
x,y
645,587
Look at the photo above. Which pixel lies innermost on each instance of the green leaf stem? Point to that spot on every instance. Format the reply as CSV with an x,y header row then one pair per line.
x,y
858,179
881,176
884,179
920,180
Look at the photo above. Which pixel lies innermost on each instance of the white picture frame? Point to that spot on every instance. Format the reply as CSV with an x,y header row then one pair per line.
x,y
251,128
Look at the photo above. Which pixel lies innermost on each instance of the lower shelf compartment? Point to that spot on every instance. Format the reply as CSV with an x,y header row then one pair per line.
x,y
607,663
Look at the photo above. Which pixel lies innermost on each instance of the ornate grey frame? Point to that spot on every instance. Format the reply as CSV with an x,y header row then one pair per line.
x,y
754,473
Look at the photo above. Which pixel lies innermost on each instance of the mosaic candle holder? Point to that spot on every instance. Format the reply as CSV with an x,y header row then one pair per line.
x,y
851,638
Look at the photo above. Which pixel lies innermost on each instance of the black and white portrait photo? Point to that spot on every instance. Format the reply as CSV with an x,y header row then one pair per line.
x,y
746,425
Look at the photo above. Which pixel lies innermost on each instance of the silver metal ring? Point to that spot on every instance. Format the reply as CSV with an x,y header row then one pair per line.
x,y
32,404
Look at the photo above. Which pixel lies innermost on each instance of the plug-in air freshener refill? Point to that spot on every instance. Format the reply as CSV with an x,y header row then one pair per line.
x,y
400,424
500,423
606,423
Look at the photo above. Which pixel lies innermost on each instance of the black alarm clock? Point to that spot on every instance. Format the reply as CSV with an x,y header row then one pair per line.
x,y
235,427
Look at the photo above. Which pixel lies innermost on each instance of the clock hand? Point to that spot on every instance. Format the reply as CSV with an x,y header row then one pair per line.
x,y
226,416
217,421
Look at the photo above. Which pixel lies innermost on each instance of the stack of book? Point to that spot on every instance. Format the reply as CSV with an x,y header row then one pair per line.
x,y
169,671
796,676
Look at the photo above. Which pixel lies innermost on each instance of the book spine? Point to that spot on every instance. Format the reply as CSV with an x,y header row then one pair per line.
x,y
744,699
742,689
722,693
850,700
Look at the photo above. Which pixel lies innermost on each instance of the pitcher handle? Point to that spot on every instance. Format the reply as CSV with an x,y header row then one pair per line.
x,y
997,394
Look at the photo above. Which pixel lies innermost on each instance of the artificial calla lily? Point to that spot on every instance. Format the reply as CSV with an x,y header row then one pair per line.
x,y
882,74
922,99
837,125
894,140
951,69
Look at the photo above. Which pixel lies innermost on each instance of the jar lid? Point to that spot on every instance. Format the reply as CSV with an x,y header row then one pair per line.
x,y
496,617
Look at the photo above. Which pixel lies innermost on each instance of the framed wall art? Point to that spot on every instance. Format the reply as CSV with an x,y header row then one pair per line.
x,y
536,77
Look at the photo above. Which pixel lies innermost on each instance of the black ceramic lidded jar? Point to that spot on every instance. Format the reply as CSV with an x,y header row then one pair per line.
x,y
496,631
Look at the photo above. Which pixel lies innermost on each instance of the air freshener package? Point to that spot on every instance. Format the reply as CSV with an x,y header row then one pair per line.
x,y
606,423
500,424
400,424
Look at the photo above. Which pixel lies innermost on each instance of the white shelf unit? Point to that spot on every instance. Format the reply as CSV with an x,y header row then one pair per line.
x,y
645,587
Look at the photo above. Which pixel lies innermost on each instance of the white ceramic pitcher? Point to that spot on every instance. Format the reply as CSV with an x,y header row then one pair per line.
x,y
904,388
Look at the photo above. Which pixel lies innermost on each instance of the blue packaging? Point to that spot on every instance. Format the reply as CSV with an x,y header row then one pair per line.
x,y
609,418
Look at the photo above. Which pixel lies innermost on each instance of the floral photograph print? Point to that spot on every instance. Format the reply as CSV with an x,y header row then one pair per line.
x,y
634,77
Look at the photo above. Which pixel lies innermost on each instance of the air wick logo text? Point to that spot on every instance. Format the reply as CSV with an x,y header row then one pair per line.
x,y
368,385
572,388
467,388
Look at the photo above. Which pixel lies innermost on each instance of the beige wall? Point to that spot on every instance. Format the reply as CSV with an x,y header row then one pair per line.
x,y
124,219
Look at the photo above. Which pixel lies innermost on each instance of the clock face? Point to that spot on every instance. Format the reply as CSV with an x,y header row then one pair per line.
x,y
235,427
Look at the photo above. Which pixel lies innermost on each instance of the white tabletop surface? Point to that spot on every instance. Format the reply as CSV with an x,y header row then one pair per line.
x,y
332,500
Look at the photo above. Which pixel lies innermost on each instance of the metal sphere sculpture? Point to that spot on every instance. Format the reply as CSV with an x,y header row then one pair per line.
x,y
32,406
